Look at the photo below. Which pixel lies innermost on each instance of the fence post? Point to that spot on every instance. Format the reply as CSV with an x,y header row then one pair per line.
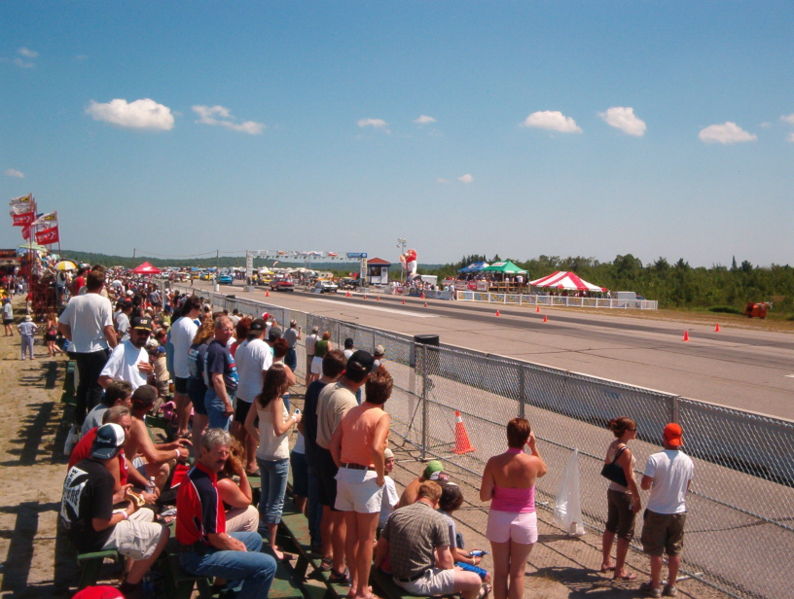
x,y
425,410
522,392
675,409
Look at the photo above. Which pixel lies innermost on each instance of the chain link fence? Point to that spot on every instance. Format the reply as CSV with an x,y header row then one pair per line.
x,y
740,522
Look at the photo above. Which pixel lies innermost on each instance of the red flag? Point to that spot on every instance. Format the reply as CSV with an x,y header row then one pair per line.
x,y
26,232
48,236
24,219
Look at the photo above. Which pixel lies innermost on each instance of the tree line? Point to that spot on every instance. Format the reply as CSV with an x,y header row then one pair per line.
x,y
677,285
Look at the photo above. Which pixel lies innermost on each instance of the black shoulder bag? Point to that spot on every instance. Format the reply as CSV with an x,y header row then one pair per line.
x,y
614,472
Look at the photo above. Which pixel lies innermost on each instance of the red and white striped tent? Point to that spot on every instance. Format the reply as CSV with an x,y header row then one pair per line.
x,y
562,279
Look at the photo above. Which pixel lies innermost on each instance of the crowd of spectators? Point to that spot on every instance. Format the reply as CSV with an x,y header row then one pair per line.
x,y
231,377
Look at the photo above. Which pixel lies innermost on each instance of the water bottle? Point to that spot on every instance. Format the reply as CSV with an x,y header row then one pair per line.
x,y
477,553
151,486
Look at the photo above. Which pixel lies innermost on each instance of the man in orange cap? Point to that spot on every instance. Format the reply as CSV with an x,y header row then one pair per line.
x,y
668,475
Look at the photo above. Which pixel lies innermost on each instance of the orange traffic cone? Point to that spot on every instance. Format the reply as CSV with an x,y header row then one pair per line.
x,y
545,318
377,299
403,302
267,294
497,313
717,328
422,295
425,304
462,443
347,294
537,308
686,336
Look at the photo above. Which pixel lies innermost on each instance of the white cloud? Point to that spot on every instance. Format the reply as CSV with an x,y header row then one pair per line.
x,y
623,118
27,52
788,118
374,123
467,178
442,180
552,120
23,64
139,114
726,133
12,172
423,119
222,117
790,138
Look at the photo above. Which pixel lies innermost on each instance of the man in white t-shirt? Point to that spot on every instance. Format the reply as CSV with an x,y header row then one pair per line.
x,y
87,321
253,357
183,330
311,340
668,475
129,361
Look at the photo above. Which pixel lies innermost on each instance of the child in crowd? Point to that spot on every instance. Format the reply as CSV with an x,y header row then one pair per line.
x,y
27,332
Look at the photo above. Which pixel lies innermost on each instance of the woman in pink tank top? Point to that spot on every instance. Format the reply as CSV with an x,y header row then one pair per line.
x,y
357,447
509,483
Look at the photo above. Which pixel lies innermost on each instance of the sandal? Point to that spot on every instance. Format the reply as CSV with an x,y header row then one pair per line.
x,y
605,569
326,564
484,590
629,576
339,577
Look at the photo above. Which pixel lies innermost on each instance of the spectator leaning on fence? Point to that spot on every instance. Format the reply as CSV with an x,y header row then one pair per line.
x,y
668,474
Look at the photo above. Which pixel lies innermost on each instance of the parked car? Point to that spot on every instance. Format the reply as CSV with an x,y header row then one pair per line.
x,y
225,280
281,285
325,287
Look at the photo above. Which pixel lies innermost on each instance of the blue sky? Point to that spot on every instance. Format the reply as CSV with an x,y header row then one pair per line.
x,y
517,128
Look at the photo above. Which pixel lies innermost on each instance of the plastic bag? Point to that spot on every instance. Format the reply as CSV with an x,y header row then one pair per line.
x,y
568,507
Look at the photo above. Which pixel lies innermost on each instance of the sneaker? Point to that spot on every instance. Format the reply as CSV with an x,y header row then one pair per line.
x,y
650,591
670,591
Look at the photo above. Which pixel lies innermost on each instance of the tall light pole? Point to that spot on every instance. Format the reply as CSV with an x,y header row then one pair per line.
x,y
401,243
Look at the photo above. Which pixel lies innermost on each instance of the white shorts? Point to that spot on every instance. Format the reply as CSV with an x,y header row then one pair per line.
x,y
519,527
137,537
317,365
357,491
433,582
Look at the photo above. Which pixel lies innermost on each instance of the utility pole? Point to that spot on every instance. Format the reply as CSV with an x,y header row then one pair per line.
x,y
401,243
133,253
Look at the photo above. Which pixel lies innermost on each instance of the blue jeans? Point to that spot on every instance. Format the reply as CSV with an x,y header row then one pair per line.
x,y
251,567
216,410
314,510
291,359
274,486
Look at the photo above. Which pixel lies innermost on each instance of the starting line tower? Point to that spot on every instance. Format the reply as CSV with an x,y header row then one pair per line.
x,y
306,257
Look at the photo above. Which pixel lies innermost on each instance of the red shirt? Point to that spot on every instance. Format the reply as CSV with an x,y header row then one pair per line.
x,y
199,509
82,451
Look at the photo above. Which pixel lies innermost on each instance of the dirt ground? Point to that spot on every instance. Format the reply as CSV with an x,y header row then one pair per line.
x,y
38,563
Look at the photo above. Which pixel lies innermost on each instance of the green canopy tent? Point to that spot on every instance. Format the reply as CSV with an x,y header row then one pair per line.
x,y
505,268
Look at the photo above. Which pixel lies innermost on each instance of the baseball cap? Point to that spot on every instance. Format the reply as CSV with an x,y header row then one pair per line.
x,y
361,361
109,440
433,470
672,434
257,325
388,454
143,323
379,350
275,333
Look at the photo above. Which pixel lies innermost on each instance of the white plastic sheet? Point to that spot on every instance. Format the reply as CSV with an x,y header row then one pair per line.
x,y
568,507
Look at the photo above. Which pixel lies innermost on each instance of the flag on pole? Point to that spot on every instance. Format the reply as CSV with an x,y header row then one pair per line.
x,y
50,218
48,236
24,219
26,232
22,204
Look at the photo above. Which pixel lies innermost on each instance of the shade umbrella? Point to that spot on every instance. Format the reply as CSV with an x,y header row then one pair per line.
x,y
33,246
473,267
66,265
146,269
561,279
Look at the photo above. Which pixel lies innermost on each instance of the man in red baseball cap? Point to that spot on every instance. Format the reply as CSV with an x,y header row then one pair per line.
x,y
668,475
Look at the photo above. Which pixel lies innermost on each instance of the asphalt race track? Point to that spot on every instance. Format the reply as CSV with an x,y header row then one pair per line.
x,y
742,368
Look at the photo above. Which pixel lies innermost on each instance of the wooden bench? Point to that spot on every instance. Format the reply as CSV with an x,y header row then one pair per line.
x,y
91,563
294,530
386,588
